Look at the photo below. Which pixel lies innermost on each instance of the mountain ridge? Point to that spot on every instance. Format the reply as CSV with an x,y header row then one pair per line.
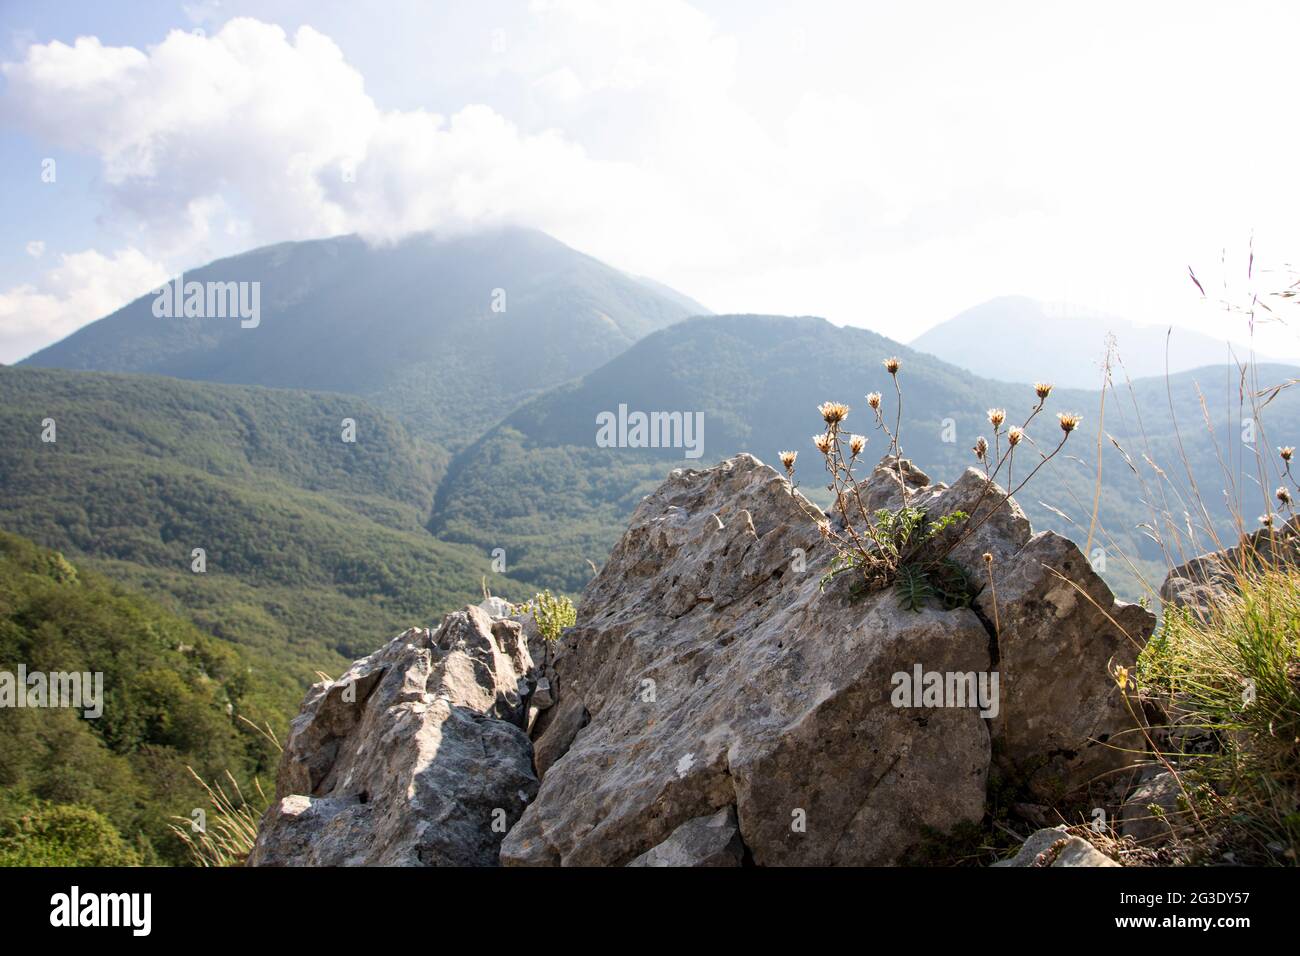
x,y
758,380
447,333
990,339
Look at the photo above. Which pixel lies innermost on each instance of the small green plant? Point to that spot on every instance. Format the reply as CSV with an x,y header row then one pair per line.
x,y
550,613
913,587
903,547
904,537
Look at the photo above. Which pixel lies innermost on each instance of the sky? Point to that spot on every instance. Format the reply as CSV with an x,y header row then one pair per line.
x,y
884,165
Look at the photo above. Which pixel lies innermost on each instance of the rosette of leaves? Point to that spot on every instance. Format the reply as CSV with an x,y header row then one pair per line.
x,y
903,538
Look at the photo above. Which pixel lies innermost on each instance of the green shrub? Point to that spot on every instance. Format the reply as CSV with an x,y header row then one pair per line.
x,y
551,614
48,835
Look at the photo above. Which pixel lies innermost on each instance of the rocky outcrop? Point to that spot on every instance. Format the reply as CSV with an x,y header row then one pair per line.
x,y
709,669
1059,632
720,701
414,757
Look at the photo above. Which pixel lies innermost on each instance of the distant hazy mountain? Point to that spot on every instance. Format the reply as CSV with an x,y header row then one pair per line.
x,y
449,334
541,486
1016,339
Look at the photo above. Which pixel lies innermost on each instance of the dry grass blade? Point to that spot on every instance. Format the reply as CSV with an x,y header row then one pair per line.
x,y
225,836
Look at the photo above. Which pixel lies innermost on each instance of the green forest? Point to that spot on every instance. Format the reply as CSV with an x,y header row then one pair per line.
x,y
104,791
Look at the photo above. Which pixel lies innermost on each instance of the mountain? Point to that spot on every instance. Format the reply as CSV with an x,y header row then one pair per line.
x,y
684,301
540,486
447,333
1067,347
311,542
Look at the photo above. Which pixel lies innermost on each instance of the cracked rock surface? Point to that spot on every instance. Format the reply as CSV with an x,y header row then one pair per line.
x,y
709,669
414,757
716,704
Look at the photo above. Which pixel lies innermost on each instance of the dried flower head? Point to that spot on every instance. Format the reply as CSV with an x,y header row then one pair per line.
x,y
988,557
856,444
997,416
1014,435
833,412
874,401
1283,495
824,528
1069,421
891,365
1286,451
981,447
823,443
788,460
1266,520
1042,389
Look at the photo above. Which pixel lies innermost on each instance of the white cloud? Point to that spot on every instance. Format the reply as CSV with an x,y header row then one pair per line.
x,y
84,286
35,248
252,132
248,136
885,165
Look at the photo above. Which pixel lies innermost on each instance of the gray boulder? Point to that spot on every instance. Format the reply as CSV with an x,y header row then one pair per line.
x,y
496,607
1063,722
710,669
1206,580
414,757
1155,810
720,700
1059,633
705,841
1056,847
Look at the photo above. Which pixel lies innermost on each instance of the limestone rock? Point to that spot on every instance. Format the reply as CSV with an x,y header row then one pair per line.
x,y
1155,809
705,841
710,670
719,701
412,758
1063,721
495,607
1208,579
1056,847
